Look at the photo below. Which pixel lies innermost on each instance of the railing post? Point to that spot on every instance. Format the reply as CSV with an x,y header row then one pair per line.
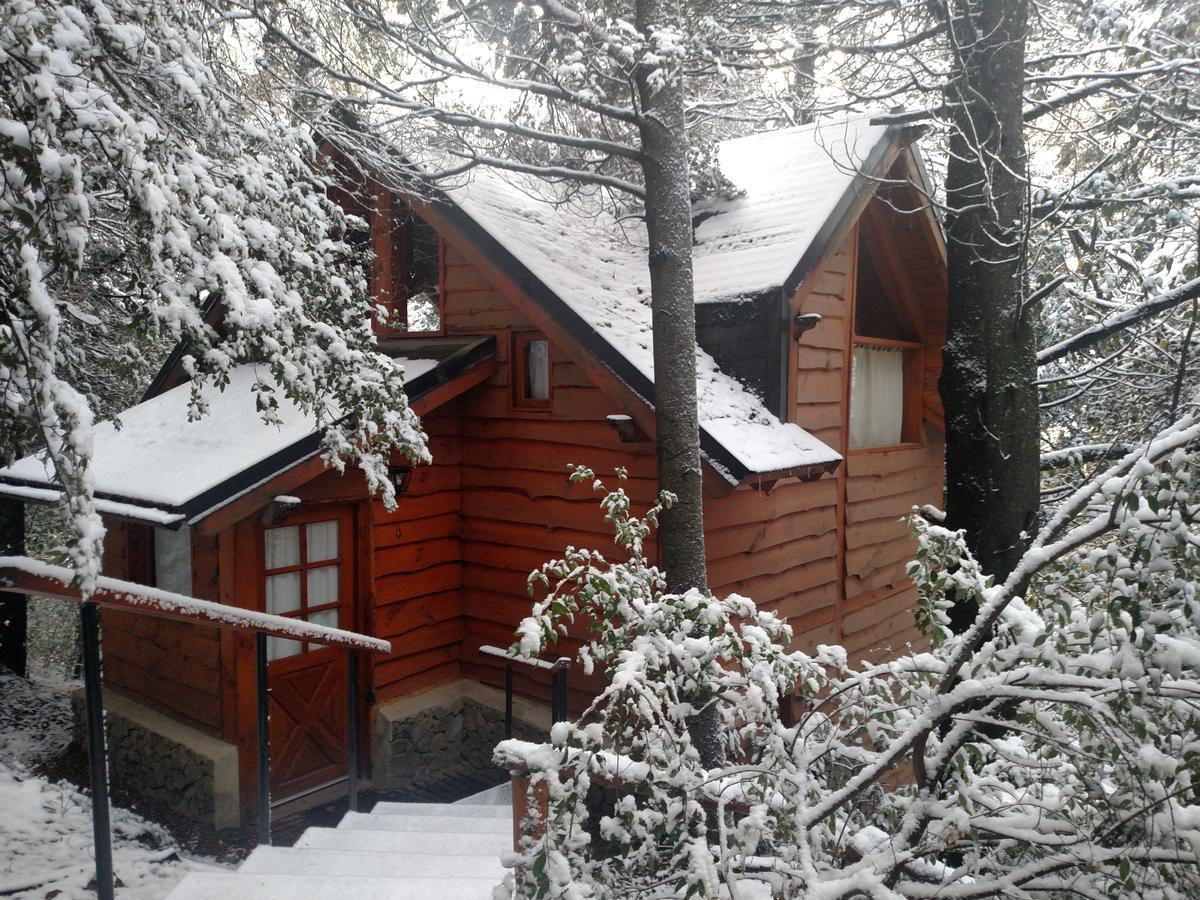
x,y
352,727
508,688
89,627
264,745
558,697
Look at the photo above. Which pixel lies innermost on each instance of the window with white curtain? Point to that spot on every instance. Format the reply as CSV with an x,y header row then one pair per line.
x,y
531,371
876,397
537,370
303,578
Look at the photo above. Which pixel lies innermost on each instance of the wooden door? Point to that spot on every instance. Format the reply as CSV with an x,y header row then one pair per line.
x,y
307,566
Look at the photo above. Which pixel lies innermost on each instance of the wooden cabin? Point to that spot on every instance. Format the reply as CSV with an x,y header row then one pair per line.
x,y
524,327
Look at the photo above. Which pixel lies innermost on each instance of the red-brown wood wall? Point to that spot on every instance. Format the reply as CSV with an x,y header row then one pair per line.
x,y
446,570
171,667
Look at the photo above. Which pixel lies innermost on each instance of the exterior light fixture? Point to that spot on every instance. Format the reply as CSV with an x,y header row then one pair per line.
x,y
400,476
804,322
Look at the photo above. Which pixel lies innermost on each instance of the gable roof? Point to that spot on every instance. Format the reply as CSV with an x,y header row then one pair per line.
x,y
589,270
160,468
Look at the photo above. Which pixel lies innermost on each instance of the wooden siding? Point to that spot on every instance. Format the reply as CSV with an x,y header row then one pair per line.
x,y
416,581
868,603
779,549
171,667
519,510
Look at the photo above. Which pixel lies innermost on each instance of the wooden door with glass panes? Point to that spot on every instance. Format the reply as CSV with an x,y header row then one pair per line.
x,y
307,575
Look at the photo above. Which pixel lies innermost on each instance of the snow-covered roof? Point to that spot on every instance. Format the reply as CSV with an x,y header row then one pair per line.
x,y
793,183
160,468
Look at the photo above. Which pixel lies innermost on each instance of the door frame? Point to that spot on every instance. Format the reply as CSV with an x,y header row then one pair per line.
x,y
245,543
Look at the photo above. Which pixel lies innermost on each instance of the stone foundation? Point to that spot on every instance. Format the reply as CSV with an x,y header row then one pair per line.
x,y
155,757
454,726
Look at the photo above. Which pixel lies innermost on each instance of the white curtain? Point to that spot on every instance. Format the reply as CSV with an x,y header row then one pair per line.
x,y
173,560
322,541
537,367
283,547
876,397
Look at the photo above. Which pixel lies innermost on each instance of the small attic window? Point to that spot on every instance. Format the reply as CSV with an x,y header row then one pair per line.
x,y
406,270
173,560
421,289
531,370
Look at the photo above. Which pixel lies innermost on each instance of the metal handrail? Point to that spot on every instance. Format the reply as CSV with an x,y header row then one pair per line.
x,y
31,577
22,575
558,684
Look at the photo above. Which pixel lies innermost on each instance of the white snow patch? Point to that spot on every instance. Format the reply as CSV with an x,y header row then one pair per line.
x,y
46,845
160,458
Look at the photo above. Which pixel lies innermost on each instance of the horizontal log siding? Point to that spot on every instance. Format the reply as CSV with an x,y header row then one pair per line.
x,y
171,667
518,508
881,488
416,569
779,549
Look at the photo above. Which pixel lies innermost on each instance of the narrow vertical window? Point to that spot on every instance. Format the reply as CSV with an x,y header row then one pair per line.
x,y
531,370
173,560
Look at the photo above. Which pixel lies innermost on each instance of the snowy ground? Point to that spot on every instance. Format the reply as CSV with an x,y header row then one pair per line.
x,y
46,828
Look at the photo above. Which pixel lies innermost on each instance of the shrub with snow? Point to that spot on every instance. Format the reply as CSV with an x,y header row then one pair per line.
x,y
1048,751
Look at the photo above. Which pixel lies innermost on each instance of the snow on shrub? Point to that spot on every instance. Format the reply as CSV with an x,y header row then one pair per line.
x,y
1048,751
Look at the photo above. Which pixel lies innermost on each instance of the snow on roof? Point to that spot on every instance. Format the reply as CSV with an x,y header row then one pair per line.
x,y
792,180
160,459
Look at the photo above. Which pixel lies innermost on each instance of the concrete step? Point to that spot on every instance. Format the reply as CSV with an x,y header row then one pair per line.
x,y
459,824
491,811
248,886
308,861
500,795
443,842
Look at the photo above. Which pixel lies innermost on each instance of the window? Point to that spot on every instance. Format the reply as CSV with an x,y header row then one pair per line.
x,y
173,560
421,274
303,570
531,370
886,368
407,268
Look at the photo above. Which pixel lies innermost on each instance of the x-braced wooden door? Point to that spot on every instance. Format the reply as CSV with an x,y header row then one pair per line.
x,y
307,565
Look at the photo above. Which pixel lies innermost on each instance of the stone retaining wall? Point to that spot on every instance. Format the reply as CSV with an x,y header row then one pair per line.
x,y
154,757
456,726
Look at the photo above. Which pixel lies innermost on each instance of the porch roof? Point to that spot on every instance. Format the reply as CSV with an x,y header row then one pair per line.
x,y
161,469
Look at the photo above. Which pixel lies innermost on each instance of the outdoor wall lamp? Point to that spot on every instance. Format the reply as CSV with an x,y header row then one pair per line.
x,y
400,476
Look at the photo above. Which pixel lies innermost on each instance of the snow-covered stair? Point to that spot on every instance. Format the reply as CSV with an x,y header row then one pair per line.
x,y
398,851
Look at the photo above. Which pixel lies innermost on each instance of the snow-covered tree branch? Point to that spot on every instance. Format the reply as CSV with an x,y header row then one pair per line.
x,y
122,140
1049,750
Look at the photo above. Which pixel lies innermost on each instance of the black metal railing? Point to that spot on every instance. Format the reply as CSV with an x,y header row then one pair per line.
x,y
558,682
23,576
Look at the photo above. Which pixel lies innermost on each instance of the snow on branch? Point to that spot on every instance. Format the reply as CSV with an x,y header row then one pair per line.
x,y
1118,322
1052,744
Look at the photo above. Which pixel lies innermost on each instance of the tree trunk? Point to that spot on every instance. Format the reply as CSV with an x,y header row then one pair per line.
x,y
669,225
987,385
12,606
